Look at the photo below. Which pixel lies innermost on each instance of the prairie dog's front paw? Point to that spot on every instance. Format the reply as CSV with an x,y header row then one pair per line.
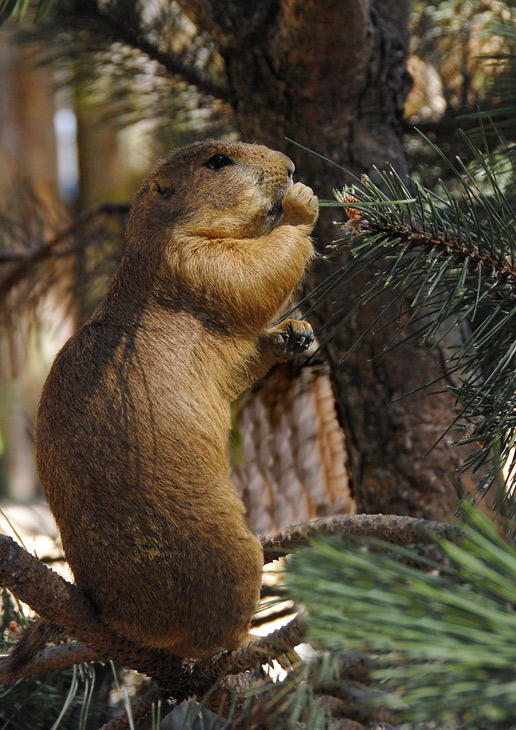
x,y
300,205
291,337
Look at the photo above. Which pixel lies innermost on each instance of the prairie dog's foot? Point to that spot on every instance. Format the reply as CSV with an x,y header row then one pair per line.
x,y
291,337
300,205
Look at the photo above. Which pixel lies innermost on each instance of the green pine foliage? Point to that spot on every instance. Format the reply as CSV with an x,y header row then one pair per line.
x,y
448,259
18,9
443,642
67,699
50,701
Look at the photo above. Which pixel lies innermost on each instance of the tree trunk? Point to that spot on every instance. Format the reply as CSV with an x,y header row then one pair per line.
x,y
332,76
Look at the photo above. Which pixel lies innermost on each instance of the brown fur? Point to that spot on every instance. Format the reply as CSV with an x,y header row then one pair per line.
x,y
134,417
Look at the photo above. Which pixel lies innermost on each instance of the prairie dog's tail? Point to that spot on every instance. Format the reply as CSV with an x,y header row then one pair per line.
x,y
32,641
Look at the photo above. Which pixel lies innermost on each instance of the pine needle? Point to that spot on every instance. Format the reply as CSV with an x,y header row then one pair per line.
x,y
444,643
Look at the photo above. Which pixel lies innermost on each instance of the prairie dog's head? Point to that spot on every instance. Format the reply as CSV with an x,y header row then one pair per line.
x,y
212,189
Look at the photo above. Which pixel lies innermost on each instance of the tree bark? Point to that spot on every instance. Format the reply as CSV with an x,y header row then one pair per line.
x,y
333,78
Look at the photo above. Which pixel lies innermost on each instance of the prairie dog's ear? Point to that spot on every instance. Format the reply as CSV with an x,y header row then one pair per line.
x,y
163,188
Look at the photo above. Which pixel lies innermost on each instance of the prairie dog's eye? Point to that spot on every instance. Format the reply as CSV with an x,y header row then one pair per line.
x,y
218,161
165,191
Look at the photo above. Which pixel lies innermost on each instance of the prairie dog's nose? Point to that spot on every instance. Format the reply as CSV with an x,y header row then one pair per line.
x,y
288,164
283,161
290,167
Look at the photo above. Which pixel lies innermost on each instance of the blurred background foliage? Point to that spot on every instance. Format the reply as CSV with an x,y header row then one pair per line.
x,y
461,60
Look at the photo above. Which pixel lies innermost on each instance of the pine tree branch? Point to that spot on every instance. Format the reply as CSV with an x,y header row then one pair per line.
x,y
276,644
461,250
441,644
460,246
395,529
48,660
439,270
55,599
63,604
9,257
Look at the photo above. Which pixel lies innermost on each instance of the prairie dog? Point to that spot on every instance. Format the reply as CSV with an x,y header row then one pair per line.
x,y
134,418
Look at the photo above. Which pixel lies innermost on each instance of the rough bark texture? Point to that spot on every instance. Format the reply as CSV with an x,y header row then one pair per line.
x,y
394,529
333,77
330,76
